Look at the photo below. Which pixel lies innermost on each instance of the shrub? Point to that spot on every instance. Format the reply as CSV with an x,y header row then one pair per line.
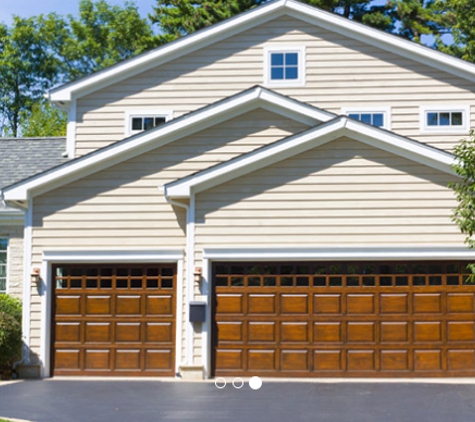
x,y
10,334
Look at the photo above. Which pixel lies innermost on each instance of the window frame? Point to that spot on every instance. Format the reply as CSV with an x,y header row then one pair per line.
x,y
167,114
269,50
384,110
464,128
7,253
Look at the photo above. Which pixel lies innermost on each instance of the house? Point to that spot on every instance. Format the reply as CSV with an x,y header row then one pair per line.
x,y
287,212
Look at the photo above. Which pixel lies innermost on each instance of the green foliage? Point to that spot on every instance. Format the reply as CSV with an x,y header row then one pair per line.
x,y
43,120
464,213
10,333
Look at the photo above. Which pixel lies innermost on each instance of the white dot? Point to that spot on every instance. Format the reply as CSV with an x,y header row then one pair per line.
x,y
238,383
220,383
255,383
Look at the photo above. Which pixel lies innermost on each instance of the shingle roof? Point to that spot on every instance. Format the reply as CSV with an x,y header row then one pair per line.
x,y
24,157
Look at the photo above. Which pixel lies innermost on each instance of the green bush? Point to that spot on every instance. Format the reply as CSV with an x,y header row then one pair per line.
x,y
10,334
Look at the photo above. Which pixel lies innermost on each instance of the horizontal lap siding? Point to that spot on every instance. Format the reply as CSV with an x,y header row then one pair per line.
x,y
342,193
341,72
122,206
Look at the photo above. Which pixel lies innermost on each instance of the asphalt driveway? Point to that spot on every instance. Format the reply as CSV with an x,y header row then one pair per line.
x,y
157,401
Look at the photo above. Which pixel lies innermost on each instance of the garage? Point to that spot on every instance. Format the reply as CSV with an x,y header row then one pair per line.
x,y
343,319
114,320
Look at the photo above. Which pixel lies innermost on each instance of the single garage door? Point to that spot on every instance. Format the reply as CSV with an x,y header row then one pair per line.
x,y
114,320
364,319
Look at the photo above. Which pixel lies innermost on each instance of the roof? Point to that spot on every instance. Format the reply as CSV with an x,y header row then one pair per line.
x,y
21,158
248,100
304,141
24,157
254,17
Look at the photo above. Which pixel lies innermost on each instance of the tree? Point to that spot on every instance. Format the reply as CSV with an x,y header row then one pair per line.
x,y
43,120
464,213
10,334
463,28
27,70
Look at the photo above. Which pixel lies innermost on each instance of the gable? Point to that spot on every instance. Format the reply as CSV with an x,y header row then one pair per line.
x,y
335,194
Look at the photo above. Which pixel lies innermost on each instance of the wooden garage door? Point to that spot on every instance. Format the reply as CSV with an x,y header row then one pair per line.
x,y
365,319
114,320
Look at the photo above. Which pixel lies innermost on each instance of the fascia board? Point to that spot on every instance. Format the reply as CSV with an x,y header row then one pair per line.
x,y
169,52
256,160
385,41
402,147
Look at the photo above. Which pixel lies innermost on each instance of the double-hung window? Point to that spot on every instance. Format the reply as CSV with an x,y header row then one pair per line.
x,y
445,119
375,116
3,264
284,66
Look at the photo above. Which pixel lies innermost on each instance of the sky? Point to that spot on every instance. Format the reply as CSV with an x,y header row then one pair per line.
x,y
27,8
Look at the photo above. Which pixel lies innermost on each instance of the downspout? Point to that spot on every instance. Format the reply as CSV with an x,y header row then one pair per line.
x,y
189,252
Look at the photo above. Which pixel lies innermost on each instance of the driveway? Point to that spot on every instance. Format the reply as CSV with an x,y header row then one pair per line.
x,y
157,401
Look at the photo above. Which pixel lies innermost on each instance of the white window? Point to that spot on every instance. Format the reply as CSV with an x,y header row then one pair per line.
x,y
139,121
3,264
284,66
445,119
375,116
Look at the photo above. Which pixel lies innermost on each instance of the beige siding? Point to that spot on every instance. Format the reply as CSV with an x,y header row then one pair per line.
x,y
340,72
341,194
14,234
123,208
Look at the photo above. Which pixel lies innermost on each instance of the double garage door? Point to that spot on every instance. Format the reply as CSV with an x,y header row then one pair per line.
x,y
348,319
114,320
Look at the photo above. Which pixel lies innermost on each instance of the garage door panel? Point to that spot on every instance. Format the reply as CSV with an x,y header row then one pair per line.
x,y
114,319
460,302
360,304
390,319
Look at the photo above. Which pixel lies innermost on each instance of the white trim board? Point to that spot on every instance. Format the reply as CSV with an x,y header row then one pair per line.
x,y
271,10
304,141
236,105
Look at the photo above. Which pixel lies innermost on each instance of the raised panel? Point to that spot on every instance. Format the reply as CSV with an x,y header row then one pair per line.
x,y
327,304
127,332
262,331
327,360
98,305
394,332
294,332
327,332
261,360
460,330
360,304
360,360
128,305
361,332
425,303
127,359
68,305
68,332
159,332
230,331
159,305
460,302
98,332
394,303
229,359
294,360
97,359
294,304
427,331
229,304
261,304
67,359
158,360
394,360
461,360
427,360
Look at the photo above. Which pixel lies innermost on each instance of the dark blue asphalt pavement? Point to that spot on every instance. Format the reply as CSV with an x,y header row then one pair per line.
x,y
157,401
